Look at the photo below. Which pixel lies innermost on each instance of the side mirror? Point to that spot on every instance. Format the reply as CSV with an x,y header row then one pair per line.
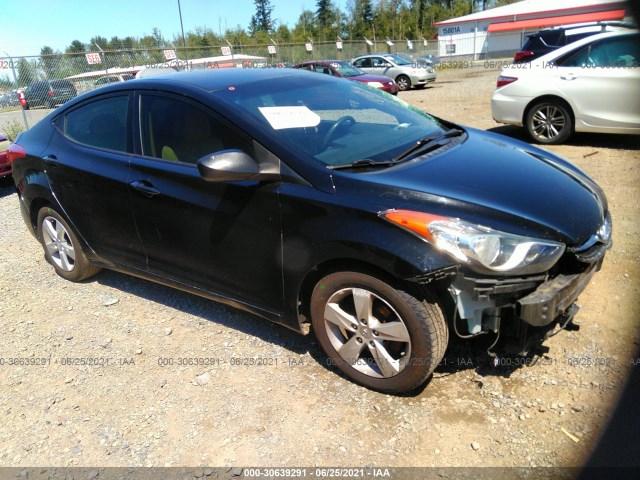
x,y
228,166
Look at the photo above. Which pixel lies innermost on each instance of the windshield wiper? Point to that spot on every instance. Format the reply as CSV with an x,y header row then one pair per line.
x,y
361,164
428,142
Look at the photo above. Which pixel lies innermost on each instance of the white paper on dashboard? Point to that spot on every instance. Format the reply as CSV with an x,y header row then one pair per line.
x,y
290,117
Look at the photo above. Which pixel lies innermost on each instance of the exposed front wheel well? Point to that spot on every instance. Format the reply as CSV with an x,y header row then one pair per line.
x,y
436,291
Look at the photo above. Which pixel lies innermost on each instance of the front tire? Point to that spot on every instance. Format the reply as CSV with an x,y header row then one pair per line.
x,y
62,248
404,82
549,122
380,337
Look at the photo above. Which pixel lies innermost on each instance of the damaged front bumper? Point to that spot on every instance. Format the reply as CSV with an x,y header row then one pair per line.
x,y
522,310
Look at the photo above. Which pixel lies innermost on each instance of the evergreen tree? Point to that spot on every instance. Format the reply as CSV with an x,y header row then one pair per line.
x,y
324,14
262,21
49,62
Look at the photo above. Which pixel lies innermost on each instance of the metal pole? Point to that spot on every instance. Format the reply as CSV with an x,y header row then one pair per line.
x,y
104,59
15,80
184,44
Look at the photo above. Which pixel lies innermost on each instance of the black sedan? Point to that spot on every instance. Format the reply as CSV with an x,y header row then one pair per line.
x,y
316,203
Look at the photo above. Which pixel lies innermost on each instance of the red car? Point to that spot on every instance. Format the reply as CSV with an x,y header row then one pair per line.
x,y
5,164
342,68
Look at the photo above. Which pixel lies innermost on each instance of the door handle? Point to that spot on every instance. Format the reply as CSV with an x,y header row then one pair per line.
x,y
145,188
568,76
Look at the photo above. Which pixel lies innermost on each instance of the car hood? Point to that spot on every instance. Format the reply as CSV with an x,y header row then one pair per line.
x,y
497,182
366,78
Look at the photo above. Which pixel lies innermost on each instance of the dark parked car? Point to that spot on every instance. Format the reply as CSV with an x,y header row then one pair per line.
x,y
316,203
342,68
47,93
9,99
550,39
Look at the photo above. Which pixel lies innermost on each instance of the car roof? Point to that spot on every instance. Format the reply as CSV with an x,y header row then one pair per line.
x,y
209,80
582,42
593,25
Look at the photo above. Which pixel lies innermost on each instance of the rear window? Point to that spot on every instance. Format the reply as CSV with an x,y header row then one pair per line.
x,y
61,84
545,39
38,86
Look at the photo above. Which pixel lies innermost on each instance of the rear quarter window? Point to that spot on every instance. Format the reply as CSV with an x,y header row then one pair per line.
x,y
100,124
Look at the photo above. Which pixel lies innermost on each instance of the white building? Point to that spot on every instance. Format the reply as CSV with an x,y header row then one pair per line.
x,y
501,31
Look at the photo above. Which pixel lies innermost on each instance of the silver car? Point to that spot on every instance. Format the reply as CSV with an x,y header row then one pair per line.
x,y
406,73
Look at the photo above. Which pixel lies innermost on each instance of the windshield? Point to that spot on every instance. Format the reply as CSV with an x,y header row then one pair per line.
x,y
346,70
398,60
330,120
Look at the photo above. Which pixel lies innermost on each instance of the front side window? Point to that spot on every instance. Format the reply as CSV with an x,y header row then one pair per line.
x,y
100,124
175,130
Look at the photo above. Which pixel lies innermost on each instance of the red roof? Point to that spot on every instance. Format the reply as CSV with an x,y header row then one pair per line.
x,y
554,21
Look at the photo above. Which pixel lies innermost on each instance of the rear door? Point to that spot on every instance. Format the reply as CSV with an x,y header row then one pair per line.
x,y
88,167
602,80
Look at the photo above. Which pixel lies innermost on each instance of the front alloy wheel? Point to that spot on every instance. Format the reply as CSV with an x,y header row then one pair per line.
x,y
404,83
380,337
549,123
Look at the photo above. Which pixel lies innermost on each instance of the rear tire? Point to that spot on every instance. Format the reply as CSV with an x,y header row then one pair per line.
x,y
62,248
380,337
549,122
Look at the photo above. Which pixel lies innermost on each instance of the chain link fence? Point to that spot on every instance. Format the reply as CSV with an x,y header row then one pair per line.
x,y
88,70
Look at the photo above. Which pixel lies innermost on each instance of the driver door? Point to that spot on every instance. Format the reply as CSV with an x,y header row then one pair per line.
x,y
222,237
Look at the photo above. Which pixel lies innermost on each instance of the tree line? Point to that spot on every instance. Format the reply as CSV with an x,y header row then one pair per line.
x,y
397,19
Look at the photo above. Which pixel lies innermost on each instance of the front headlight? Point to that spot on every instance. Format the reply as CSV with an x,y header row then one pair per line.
x,y
481,248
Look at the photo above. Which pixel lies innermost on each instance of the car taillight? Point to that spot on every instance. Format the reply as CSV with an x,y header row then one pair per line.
x,y
21,99
51,94
15,151
502,81
522,56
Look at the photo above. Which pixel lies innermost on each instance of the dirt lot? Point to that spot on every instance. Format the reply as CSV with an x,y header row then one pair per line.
x,y
142,404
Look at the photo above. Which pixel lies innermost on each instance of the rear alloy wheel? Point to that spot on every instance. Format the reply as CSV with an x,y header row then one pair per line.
x,y
62,248
549,123
404,83
378,336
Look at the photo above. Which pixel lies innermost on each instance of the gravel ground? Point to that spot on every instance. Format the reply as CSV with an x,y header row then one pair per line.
x,y
118,371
